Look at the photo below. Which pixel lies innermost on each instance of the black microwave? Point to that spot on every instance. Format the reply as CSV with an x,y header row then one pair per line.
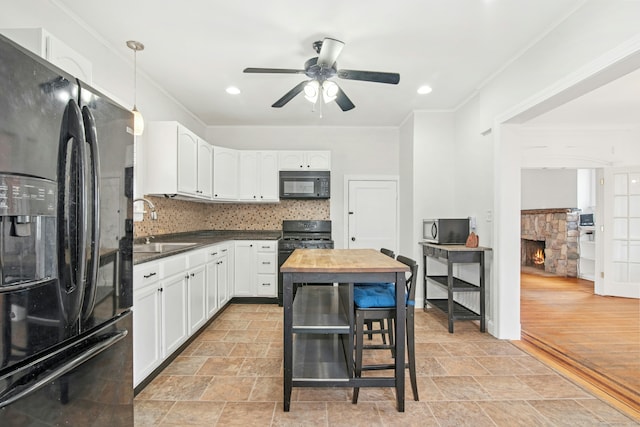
x,y
446,231
305,184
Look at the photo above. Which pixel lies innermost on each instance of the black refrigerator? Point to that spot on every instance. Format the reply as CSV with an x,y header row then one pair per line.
x,y
65,248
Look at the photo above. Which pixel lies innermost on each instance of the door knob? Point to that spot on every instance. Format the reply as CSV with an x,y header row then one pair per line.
x,y
353,239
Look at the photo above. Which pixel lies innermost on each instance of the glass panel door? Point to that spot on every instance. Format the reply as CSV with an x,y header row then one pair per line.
x,y
622,251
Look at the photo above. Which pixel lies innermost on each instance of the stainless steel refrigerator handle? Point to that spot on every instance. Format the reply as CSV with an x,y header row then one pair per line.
x,y
15,393
92,275
72,268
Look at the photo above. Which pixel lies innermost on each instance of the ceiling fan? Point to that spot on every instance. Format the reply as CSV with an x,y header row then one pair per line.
x,y
322,68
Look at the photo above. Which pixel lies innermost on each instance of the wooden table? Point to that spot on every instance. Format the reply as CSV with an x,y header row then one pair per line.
x,y
322,317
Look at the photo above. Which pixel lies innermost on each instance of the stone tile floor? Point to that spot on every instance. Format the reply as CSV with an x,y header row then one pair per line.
x,y
231,374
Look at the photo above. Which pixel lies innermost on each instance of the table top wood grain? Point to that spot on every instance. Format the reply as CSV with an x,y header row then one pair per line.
x,y
341,261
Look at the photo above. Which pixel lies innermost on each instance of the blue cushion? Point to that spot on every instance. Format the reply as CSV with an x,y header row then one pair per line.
x,y
376,295
369,295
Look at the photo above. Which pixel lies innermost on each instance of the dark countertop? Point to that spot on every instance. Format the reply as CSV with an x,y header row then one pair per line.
x,y
201,239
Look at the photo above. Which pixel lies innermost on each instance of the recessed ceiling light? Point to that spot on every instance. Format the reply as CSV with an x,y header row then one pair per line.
x,y
423,90
232,90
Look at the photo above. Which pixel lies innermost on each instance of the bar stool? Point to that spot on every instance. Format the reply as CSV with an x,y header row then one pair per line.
x,y
379,303
383,331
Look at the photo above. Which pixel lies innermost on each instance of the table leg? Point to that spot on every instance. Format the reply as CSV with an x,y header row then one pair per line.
x,y
450,304
287,285
401,322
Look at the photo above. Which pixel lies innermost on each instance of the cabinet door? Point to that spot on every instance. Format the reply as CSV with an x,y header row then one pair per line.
x,y
197,299
63,56
248,176
174,313
187,161
290,160
146,332
222,280
268,178
245,276
319,160
225,173
212,288
205,169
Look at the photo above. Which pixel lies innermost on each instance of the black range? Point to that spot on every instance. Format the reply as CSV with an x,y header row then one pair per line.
x,y
301,234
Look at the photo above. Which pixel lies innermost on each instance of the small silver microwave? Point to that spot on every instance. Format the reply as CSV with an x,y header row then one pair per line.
x,y
305,184
446,231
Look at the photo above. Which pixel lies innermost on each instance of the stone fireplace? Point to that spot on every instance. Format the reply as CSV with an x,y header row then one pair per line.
x,y
555,233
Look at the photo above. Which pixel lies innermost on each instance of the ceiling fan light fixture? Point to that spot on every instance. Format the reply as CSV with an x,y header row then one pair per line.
x,y
423,90
329,91
311,91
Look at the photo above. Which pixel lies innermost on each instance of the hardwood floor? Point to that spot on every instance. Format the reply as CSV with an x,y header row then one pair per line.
x,y
594,337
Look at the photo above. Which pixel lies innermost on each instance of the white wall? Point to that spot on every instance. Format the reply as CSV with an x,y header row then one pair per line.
x,y
549,188
354,151
565,56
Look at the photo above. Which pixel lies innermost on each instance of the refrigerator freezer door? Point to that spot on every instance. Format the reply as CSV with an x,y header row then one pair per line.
x,y
69,386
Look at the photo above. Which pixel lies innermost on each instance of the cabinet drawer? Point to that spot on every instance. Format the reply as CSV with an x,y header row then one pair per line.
x,y
267,246
213,252
266,264
267,285
173,265
145,274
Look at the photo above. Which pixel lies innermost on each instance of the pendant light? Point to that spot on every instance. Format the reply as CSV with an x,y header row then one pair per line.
x,y
138,121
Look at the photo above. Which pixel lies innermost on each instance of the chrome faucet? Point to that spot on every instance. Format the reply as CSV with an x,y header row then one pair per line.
x,y
152,214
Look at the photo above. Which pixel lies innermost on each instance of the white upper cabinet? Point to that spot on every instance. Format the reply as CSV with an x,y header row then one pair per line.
x,y
187,161
205,169
304,160
225,173
178,161
45,45
258,177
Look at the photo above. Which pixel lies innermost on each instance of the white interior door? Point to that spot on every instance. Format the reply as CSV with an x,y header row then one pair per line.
x,y
622,232
373,214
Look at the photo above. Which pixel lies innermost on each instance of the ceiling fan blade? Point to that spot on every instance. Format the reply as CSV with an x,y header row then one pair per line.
x,y
343,101
290,95
329,52
370,76
273,70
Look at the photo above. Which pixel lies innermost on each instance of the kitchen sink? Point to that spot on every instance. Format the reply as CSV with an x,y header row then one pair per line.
x,y
160,247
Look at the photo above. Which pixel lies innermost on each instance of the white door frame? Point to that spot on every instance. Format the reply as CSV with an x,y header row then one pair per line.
x,y
345,213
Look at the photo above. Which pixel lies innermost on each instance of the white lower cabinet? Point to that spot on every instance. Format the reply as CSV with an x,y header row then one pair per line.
x,y
256,268
147,320
197,284
174,313
174,297
217,277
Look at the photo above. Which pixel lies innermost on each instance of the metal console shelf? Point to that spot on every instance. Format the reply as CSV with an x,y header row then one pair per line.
x,y
455,254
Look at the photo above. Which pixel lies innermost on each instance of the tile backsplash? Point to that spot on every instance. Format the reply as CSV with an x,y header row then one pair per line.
x,y
179,216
